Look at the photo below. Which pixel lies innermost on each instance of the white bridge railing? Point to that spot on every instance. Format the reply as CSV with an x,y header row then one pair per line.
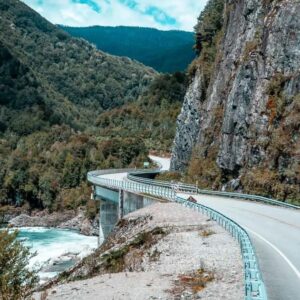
x,y
193,189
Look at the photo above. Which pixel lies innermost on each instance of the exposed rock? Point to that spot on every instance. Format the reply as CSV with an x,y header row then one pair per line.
x,y
81,223
8,214
188,124
89,227
65,220
41,219
260,51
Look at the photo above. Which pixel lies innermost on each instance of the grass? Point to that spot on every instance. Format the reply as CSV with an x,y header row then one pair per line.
x,y
114,261
194,282
206,233
154,256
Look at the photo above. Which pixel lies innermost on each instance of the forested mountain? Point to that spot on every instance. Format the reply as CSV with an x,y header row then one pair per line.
x,y
239,125
66,108
53,88
165,51
152,117
69,70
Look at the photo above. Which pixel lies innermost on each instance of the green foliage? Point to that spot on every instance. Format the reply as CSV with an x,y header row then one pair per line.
x,y
16,280
49,78
208,36
53,123
165,51
153,117
47,168
210,21
52,89
169,176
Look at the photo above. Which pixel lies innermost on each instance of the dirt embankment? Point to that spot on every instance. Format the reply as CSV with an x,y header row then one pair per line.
x,y
164,251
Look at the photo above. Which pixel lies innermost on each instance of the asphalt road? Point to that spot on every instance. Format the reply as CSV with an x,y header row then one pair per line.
x,y
275,233
164,162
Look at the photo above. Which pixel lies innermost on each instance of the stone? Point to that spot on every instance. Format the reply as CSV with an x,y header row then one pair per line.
x,y
240,85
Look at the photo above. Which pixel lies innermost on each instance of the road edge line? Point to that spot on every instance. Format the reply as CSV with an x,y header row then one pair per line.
x,y
276,249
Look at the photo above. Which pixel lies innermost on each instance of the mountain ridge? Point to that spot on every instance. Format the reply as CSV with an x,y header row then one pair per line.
x,y
165,51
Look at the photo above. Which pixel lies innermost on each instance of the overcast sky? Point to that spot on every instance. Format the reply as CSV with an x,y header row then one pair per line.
x,y
161,14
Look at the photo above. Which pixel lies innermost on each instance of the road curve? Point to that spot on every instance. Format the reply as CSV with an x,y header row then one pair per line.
x,y
274,231
164,162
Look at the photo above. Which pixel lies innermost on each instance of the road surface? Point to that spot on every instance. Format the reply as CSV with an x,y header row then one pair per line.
x,y
162,161
275,233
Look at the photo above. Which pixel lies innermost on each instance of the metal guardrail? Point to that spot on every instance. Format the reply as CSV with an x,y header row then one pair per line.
x,y
254,285
192,189
158,191
188,188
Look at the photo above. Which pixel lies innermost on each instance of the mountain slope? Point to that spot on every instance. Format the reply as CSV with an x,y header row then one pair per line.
x,y
52,90
152,117
72,69
27,103
165,51
239,125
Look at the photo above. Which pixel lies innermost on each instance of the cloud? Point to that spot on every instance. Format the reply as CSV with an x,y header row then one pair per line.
x,y
161,14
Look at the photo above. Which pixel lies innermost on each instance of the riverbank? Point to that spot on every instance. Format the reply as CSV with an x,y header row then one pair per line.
x,y
68,219
163,251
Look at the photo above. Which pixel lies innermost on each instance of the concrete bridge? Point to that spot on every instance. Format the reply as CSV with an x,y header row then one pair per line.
x,y
114,204
117,201
268,230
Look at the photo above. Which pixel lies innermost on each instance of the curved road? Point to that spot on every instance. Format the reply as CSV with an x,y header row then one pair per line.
x,y
274,231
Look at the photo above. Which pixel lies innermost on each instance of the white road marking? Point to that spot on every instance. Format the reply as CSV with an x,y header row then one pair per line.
x,y
276,249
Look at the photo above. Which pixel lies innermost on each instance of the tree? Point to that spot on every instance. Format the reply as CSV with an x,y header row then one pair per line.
x,y
16,280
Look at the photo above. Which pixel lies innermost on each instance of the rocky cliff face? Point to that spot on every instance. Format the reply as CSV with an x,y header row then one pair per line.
x,y
247,120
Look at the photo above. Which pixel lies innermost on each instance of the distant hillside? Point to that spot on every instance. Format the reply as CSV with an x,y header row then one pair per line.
x,y
165,51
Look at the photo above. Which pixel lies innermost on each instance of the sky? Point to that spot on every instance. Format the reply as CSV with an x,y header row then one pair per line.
x,y
161,14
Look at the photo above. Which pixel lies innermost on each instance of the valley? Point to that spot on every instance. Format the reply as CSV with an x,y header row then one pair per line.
x,y
214,118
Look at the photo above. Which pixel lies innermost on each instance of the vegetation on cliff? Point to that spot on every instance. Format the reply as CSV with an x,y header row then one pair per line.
x,y
248,133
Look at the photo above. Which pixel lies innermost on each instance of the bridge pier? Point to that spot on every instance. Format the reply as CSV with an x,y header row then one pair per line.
x,y
114,205
109,216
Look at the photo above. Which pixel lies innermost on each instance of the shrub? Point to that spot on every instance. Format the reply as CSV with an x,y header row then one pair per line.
x,y
16,280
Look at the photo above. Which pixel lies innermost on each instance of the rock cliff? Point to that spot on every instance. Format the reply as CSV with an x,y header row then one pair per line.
x,y
243,125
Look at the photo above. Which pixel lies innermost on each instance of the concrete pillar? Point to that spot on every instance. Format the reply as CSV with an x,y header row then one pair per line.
x,y
132,202
109,216
121,204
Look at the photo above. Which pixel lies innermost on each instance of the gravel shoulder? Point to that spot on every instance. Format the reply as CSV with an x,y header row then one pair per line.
x,y
185,256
